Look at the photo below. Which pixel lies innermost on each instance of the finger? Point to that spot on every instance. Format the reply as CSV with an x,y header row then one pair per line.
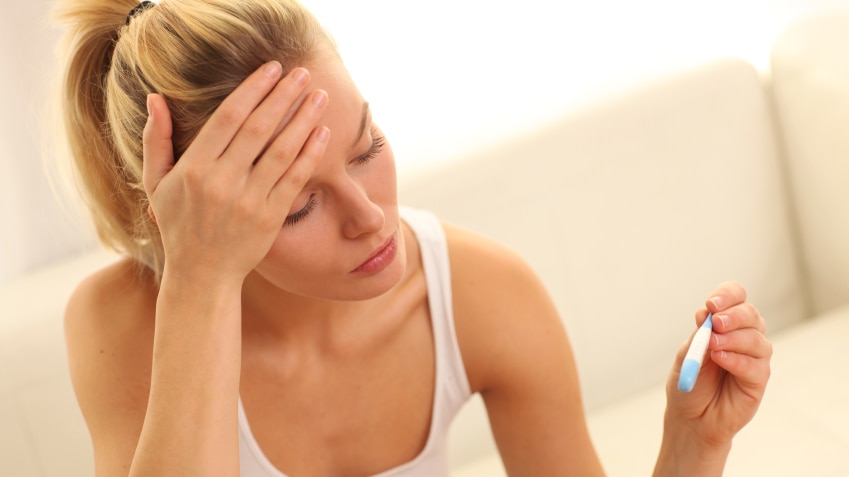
x,y
701,316
266,120
291,142
158,151
748,370
747,341
744,315
223,125
725,295
296,176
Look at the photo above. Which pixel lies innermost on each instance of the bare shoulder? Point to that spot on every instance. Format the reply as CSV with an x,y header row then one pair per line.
x,y
499,303
109,303
518,356
109,322
469,251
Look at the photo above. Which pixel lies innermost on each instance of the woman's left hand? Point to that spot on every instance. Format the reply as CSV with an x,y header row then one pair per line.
x,y
733,376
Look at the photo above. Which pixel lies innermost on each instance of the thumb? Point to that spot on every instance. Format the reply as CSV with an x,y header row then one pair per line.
x,y
158,155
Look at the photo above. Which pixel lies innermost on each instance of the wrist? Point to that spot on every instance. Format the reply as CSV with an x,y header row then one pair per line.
x,y
684,452
200,280
186,291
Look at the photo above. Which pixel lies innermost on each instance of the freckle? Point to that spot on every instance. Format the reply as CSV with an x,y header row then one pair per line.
x,y
101,351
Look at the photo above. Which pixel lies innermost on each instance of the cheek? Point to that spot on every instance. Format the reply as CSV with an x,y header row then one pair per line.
x,y
296,256
382,180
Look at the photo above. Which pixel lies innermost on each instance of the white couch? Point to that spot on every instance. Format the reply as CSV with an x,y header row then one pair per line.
x,y
631,210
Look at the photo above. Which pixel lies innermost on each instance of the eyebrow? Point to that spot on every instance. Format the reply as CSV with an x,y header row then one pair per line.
x,y
363,120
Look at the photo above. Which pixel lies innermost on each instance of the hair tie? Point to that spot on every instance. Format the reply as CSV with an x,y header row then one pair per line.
x,y
138,9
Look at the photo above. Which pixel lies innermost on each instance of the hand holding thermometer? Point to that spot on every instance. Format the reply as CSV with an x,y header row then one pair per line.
x,y
695,355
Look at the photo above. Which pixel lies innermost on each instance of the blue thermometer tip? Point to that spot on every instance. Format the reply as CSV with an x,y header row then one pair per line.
x,y
695,355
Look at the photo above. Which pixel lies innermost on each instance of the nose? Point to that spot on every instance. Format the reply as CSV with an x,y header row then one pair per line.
x,y
362,216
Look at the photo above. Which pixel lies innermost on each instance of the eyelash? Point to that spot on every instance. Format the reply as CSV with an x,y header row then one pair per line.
x,y
375,149
376,146
299,215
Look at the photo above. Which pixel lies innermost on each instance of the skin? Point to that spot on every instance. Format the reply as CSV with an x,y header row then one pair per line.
x,y
254,308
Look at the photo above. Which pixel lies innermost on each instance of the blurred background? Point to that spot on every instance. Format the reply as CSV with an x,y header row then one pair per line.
x,y
444,77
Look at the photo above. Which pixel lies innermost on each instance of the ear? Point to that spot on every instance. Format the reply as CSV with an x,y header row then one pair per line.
x,y
151,214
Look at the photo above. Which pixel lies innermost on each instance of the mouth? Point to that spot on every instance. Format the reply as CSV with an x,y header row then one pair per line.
x,y
380,258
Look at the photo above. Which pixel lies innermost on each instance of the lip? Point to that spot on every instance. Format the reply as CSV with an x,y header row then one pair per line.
x,y
380,258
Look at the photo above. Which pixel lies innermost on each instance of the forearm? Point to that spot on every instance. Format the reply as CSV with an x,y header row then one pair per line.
x,y
190,426
682,453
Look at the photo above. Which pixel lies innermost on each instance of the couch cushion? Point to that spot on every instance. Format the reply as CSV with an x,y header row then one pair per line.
x,y
810,82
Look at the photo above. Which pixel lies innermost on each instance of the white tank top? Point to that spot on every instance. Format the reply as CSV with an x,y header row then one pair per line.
x,y
452,387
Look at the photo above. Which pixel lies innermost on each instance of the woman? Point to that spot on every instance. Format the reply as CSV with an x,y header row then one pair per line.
x,y
277,312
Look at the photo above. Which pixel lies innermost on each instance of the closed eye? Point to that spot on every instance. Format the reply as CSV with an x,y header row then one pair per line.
x,y
376,147
299,215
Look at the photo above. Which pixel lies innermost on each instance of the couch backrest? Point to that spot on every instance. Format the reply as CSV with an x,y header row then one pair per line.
x,y
632,211
810,84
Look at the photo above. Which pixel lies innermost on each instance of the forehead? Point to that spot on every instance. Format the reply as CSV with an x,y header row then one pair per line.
x,y
343,114
344,111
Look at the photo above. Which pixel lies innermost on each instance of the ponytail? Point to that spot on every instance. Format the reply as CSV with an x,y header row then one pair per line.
x,y
109,187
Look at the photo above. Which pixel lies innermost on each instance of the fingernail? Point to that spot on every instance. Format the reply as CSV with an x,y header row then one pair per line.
x,y
717,302
299,76
722,319
149,108
319,99
272,69
717,341
322,134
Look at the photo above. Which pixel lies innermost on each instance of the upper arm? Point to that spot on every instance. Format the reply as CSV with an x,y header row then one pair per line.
x,y
518,356
109,362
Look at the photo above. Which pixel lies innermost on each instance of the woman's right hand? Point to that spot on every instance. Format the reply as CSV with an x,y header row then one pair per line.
x,y
221,206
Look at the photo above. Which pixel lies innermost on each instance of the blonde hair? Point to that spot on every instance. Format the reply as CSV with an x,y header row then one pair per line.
x,y
193,53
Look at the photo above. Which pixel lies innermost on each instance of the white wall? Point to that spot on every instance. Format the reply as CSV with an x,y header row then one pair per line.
x,y
34,228
447,75
443,77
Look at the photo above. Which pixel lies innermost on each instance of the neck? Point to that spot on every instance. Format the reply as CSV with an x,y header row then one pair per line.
x,y
281,315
